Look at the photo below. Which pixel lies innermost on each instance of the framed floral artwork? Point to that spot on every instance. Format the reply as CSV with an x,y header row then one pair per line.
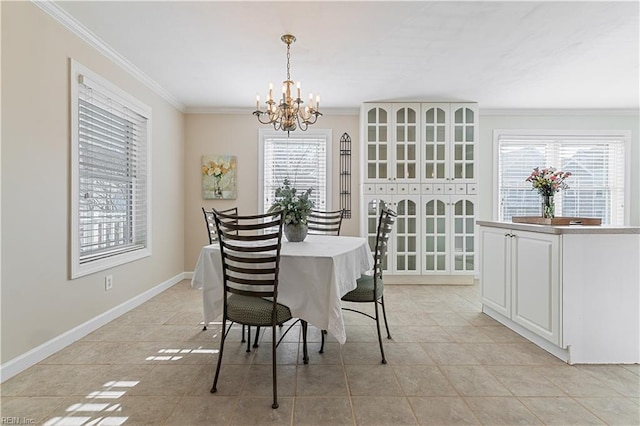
x,y
218,177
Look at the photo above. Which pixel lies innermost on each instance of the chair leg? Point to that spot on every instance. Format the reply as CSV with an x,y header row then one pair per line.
x,y
273,362
305,355
384,361
384,314
322,333
222,339
255,343
248,338
243,340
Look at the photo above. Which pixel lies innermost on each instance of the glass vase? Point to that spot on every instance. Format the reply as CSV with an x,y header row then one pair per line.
x,y
548,207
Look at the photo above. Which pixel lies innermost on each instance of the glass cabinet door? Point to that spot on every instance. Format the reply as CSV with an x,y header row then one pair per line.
x,y
435,235
463,143
377,144
435,142
463,220
406,143
407,233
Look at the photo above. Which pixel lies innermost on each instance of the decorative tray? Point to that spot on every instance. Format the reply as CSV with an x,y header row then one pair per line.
x,y
557,221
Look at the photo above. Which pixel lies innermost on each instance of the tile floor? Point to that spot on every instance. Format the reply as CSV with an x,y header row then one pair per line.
x,y
447,364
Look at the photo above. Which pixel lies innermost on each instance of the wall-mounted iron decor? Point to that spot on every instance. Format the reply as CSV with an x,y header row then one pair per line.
x,y
345,175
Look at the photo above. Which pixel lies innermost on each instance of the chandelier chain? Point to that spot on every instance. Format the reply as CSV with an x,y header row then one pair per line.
x,y
288,61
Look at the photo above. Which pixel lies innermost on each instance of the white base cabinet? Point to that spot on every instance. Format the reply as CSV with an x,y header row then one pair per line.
x,y
574,291
521,278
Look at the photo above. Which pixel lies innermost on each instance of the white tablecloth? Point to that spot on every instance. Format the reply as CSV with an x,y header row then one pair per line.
x,y
314,275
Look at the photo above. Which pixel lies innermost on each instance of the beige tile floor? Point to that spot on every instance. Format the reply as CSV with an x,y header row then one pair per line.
x,y
447,364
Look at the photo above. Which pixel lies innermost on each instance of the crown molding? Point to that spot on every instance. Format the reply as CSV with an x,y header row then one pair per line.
x,y
94,41
560,111
221,110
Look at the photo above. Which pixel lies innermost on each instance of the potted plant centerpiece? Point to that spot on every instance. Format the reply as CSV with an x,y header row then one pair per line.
x,y
296,206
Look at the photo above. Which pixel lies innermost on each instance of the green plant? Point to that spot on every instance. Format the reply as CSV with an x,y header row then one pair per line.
x,y
296,206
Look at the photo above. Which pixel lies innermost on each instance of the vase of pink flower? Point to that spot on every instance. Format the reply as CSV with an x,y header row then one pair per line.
x,y
547,182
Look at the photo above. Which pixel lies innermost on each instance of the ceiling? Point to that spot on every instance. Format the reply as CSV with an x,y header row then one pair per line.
x,y
211,55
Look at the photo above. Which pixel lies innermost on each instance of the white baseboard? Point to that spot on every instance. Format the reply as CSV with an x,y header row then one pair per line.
x,y
429,279
35,355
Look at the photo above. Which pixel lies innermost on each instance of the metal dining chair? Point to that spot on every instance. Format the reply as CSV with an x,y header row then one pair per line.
x,y
324,223
370,288
213,238
250,252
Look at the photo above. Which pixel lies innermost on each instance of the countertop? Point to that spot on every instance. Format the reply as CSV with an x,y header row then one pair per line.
x,y
571,229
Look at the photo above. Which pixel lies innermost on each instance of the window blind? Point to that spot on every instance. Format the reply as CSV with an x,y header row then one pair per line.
x,y
303,160
596,187
112,170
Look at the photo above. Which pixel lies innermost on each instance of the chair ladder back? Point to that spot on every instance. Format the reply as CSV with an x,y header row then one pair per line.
x,y
324,223
211,225
385,226
250,252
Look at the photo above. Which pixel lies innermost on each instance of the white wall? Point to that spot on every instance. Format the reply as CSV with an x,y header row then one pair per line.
x,y
39,301
569,120
237,134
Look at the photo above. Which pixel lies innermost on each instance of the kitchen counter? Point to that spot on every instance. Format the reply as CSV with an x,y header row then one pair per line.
x,y
572,290
571,229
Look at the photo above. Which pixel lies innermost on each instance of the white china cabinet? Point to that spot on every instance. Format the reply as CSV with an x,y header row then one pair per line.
x,y
419,159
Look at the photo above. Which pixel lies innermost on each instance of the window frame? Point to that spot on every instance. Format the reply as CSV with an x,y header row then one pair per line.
x,y
548,135
325,134
105,88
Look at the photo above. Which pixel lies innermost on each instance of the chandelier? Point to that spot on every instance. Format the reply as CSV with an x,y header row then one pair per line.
x,y
287,113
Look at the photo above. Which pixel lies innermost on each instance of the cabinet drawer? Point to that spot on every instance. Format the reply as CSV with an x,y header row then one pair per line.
x,y
472,188
461,188
449,188
381,188
368,188
438,188
427,188
403,188
392,188
414,189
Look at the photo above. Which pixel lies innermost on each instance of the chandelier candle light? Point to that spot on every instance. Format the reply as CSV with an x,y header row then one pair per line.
x,y
288,114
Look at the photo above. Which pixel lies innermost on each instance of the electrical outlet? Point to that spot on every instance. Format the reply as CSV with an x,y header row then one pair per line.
x,y
108,282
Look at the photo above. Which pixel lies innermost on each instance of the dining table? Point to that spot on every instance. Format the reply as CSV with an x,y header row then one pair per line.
x,y
314,275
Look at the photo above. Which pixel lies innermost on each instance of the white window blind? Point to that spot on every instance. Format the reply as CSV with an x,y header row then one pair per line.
x,y
596,161
111,182
302,159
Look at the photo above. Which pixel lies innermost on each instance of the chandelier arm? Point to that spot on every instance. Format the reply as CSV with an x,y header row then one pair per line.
x,y
302,124
259,114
